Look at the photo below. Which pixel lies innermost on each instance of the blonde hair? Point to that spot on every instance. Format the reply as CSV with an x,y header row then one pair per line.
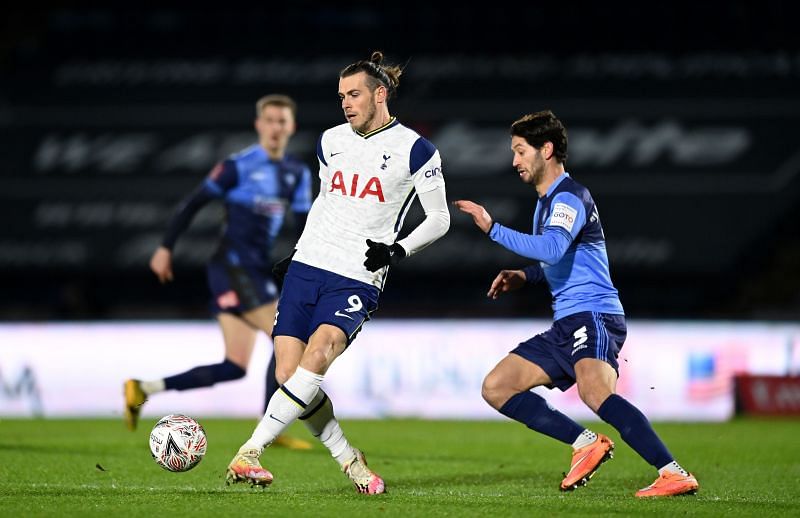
x,y
284,101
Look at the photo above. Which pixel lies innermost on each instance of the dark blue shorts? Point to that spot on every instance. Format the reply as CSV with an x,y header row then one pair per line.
x,y
311,297
580,335
237,288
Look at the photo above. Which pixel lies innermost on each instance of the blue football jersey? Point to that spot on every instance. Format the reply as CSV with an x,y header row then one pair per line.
x,y
257,191
569,243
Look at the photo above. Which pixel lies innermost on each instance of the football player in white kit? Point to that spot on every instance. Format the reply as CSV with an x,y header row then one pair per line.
x,y
371,169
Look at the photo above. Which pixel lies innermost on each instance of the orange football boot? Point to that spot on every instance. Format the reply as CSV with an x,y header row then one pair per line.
x,y
670,484
586,461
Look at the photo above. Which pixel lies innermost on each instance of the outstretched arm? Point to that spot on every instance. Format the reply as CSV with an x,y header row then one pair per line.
x,y
184,213
479,215
548,247
222,177
161,260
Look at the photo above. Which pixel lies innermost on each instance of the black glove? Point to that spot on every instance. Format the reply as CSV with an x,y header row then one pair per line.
x,y
380,255
280,268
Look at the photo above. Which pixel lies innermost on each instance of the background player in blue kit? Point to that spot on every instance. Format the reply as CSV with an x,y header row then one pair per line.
x,y
589,323
257,184
370,168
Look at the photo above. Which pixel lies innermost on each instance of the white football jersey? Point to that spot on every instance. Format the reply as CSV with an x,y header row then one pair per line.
x,y
367,184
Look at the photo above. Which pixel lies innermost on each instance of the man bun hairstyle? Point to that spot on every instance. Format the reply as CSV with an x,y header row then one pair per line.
x,y
378,74
540,127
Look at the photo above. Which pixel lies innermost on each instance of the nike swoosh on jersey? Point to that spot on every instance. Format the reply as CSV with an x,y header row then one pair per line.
x,y
340,314
337,153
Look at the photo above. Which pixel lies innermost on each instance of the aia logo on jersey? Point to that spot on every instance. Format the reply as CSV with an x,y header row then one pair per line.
x,y
357,186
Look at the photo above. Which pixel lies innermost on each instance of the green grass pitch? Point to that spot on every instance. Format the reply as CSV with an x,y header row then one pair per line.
x,y
432,468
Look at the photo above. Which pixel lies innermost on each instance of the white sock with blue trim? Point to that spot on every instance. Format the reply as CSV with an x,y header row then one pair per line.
x,y
323,425
285,406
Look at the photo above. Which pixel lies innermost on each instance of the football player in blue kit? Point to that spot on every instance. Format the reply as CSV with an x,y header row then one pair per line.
x,y
589,327
257,185
371,168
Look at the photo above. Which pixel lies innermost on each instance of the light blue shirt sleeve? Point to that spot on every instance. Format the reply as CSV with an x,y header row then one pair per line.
x,y
567,213
566,219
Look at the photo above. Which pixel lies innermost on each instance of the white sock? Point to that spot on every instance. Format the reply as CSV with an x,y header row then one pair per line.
x,y
586,438
152,387
323,425
673,467
285,406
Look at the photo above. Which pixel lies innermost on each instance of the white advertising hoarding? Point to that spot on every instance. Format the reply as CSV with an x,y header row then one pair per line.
x,y
399,368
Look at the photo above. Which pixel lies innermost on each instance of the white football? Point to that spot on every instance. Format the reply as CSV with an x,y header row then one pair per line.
x,y
177,442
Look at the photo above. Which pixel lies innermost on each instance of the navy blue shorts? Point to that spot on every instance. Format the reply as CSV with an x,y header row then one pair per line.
x,y
311,297
580,335
237,288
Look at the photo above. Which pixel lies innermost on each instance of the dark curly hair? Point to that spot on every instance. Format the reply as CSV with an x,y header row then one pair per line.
x,y
540,127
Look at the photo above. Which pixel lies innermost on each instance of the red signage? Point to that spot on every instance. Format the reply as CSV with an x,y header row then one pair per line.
x,y
768,395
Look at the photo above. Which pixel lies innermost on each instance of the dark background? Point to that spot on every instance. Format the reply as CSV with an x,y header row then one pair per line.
x,y
683,122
